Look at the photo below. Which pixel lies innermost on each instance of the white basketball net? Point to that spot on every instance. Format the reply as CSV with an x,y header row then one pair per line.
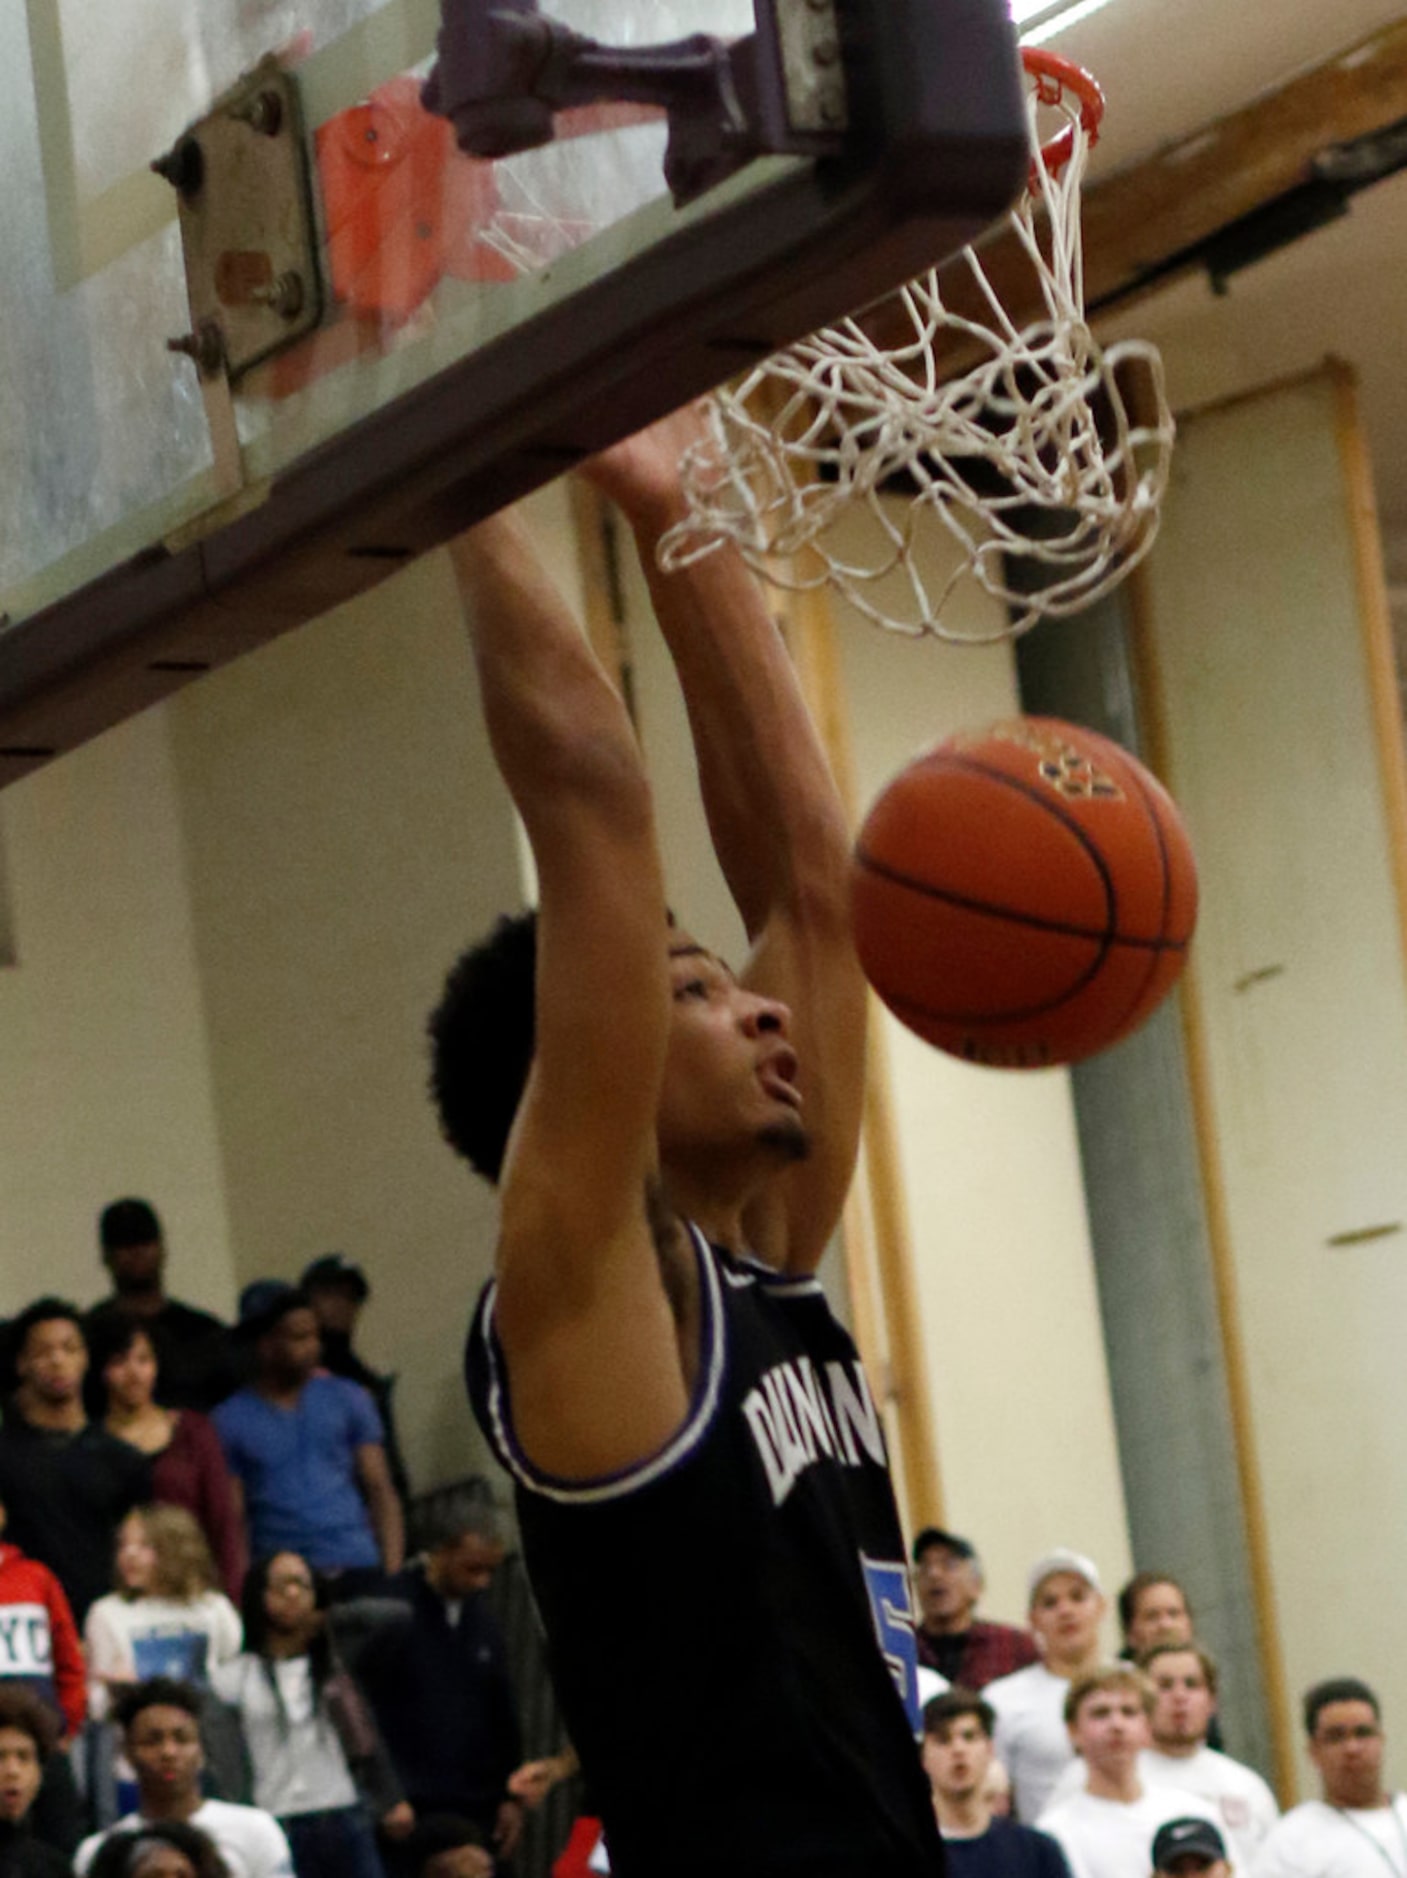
x,y
1029,460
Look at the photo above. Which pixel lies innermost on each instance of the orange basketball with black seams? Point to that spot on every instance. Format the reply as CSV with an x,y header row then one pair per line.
x,y
1024,895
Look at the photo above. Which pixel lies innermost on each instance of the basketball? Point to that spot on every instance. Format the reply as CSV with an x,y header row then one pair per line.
x,y
1024,895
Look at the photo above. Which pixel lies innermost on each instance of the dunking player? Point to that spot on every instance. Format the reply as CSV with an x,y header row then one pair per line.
x,y
705,1507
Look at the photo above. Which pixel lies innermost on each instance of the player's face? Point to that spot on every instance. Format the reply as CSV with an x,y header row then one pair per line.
x,y
1347,1748
1109,1729
1195,1865
1065,1615
946,1585
1160,1616
136,1555
730,1078
1183,1705
130,1379
958,1761
54,1360
163,1744
20,1774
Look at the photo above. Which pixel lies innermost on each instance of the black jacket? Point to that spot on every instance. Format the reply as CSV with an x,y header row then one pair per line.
x,y
24,1856
443,1701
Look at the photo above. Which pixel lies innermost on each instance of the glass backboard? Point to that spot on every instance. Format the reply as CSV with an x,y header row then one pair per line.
x,y
482,323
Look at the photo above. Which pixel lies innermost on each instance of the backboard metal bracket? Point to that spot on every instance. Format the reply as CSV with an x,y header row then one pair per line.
x,y
247,226
806,35
505,68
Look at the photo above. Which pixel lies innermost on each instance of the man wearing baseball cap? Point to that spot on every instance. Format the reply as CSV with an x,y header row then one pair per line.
x,y
1067,1607
1189,1848
964,1649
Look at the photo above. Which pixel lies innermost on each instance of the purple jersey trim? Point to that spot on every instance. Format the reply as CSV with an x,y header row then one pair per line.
x,y
680,1446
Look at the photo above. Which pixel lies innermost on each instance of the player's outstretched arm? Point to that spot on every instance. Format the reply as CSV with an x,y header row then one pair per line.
x,y
581,1311
777,823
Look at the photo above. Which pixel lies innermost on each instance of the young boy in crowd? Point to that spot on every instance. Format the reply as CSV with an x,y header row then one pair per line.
x,y
160,1722
1107,1829
957,1757
66,1483
28,1737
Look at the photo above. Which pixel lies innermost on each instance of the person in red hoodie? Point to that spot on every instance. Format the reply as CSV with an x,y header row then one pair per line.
x,y
39,1644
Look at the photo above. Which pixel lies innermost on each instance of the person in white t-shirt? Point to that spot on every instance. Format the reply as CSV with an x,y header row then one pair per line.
x,y
1033,1743
160,1722
165,1618
1358,1829
1107,1829
1184,1679
318,1762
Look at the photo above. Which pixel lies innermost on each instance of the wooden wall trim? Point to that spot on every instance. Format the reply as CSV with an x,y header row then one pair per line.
x,y
1147,224
1140,219
1379,655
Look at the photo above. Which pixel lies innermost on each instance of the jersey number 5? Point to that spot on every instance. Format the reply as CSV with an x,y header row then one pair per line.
x,y
888,1586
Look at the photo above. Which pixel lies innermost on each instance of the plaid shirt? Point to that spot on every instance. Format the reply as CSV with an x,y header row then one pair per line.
x,y
978,1655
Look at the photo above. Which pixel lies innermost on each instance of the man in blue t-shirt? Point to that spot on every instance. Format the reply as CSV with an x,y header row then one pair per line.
x,y
957,1757
307,1450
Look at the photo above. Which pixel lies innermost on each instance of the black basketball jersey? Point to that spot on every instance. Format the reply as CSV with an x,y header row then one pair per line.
x,y
729,1622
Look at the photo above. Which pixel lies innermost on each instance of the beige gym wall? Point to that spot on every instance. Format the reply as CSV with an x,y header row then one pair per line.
x,y
346,835
1266,618
1025,1434
101,1026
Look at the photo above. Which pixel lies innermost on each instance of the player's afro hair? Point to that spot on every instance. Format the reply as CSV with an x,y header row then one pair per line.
x,y
482,1034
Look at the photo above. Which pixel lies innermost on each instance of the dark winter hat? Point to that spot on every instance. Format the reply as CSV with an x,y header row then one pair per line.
x,y
263,1302
336,1270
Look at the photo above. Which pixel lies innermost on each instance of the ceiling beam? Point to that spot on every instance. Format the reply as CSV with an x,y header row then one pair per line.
x,y
1140,221
1152,222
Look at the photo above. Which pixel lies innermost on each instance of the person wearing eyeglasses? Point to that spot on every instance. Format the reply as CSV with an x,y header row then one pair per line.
x,y
1358,1829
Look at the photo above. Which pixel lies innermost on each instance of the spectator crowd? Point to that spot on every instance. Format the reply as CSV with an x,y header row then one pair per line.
x,y
217,1662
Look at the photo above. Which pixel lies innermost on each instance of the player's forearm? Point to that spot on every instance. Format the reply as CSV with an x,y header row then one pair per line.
x,y
774,812
556,724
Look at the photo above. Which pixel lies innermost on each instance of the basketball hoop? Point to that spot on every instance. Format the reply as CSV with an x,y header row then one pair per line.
x,y
1029,458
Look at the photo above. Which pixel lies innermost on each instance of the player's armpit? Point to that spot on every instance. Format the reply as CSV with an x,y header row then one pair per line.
x,y
594,1373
